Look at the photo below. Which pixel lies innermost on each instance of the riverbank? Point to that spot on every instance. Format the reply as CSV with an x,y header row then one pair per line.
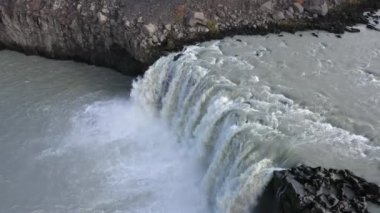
x,y
251,104
129,36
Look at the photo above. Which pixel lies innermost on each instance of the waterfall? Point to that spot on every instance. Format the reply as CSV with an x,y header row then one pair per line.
x,y
242,129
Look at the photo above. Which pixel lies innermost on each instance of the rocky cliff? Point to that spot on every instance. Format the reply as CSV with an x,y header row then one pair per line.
x,y
130,34
305,189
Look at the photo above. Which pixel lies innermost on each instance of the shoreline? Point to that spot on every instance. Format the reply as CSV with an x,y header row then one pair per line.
x,y
105,38
100,35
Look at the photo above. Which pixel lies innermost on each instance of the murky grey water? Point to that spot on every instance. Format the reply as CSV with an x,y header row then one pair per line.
x,y
199,134
71,141
253,104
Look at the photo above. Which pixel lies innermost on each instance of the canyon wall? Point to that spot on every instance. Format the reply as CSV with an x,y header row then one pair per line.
x,y
128,35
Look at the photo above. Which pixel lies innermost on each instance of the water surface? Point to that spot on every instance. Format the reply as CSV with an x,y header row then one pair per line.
x,y
199,134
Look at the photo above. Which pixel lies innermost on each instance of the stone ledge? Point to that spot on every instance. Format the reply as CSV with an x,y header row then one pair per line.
x,y
119,33
305,189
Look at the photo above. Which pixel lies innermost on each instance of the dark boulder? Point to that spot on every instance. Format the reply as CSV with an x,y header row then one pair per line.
x,y
317,190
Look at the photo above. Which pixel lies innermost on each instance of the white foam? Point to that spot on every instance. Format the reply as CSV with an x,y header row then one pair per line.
x,y
242,129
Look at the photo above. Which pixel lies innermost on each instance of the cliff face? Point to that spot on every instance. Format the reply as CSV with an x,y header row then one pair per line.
x,y
130,34
68,29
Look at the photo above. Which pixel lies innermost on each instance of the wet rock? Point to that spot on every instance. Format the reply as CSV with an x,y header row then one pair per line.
x,y
352,30
310,190
176,57
372,27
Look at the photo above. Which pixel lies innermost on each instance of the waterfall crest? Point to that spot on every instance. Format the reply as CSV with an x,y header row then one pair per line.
x,y
241,129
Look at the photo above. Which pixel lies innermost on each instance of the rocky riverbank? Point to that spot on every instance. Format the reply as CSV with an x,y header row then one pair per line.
x,y
128,35
305,189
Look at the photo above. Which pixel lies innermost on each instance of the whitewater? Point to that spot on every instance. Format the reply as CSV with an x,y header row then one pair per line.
x,y
201,131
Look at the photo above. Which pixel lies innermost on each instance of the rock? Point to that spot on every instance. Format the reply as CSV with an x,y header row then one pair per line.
x,y
162,38
176,57
290,12
298,7
267,6
317,190
79,7
105,11
221,14
155,39
168,27
143,44
317,6
93,6
102,18
352,30
149,29
109,32
278,16
196,18
324,9
372,27
180,35
203,30
150,43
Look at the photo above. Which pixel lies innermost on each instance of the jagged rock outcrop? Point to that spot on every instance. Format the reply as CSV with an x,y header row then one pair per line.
x,y
128,35
305,189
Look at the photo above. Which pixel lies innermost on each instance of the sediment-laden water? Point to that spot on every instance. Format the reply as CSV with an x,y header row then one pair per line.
x,y
201,132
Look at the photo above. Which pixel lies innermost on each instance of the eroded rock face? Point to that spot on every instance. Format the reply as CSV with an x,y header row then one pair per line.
x,y
128,35
83,30
317,190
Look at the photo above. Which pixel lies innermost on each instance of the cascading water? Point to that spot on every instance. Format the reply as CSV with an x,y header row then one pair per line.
x,y
201,132
242,128
72,141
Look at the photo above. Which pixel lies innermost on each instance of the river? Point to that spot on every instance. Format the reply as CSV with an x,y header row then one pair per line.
x,y
200,132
